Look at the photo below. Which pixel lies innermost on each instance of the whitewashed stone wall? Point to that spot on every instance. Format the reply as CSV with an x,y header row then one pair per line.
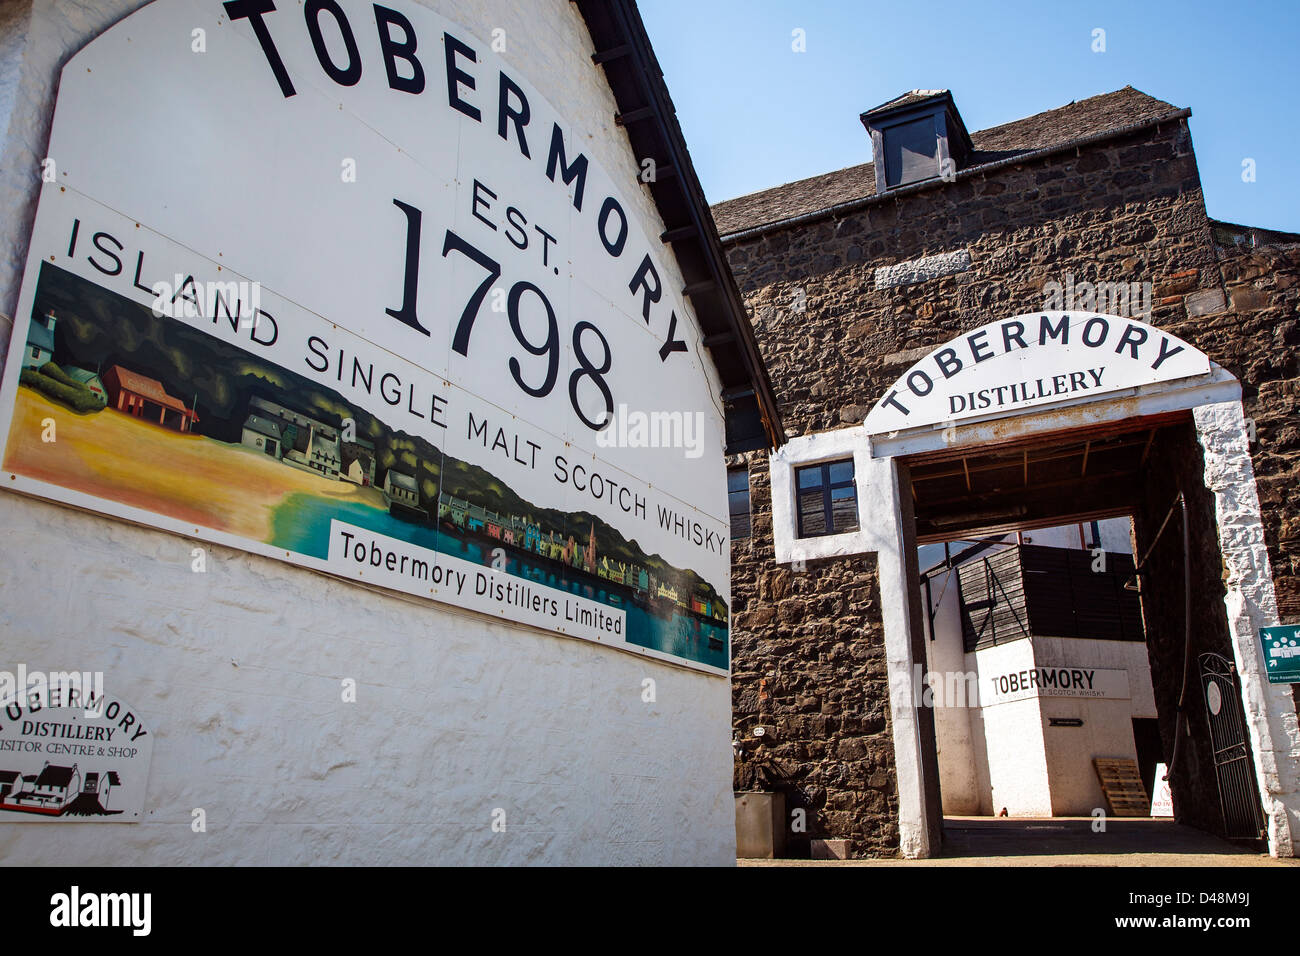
x,y
959,785
1251,603
239,669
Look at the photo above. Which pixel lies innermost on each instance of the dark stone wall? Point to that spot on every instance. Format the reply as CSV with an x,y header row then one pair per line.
x,y
1260,337
1176,464
1127,210
808,665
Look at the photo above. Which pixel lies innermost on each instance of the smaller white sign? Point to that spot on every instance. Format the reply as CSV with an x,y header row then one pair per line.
x,y
1162,798
392,563
86,763
1055,681
1043,358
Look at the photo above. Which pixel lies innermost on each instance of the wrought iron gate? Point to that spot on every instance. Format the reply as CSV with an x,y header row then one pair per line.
x,y
1243,819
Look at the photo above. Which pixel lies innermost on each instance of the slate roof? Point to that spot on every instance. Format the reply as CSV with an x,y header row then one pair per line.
x,y
264,426
1234,234
399,480
907,99
1097,115
53,776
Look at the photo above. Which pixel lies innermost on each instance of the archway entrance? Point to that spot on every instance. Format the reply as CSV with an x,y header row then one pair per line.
x,y
1010,447
1081,654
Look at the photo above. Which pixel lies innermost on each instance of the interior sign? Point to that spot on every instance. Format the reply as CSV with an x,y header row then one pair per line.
x,y
1055,681
1029,361
375,317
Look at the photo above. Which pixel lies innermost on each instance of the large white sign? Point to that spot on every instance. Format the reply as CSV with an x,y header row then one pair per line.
x,y
1028,361
341,263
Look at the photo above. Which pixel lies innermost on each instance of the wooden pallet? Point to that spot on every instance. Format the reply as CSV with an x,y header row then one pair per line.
x,y
1122,784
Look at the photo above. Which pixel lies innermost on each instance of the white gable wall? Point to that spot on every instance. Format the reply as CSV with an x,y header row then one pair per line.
x,y
239,669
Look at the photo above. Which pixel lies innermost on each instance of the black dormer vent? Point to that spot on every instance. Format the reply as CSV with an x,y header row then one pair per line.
x,y
916,137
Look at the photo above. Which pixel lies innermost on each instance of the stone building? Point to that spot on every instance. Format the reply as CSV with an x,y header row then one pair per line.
x,y
869,290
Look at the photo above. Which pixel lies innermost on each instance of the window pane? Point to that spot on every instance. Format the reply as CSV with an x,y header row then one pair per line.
x,y
738,501
841,471
812,515
911,152
810,477
844,510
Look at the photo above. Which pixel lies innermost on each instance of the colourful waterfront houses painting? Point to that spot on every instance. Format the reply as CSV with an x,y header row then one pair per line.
x,y
155,414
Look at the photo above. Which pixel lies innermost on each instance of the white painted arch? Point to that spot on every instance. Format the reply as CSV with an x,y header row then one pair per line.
x,y
1214,399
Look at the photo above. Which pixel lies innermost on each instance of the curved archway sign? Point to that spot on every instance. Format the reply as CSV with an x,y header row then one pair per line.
x,y
335,283
1031,361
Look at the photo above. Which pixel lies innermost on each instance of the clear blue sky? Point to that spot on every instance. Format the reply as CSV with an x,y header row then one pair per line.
x,y
756,114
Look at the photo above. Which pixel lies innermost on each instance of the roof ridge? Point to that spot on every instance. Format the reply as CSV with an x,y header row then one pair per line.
x,y
1075,104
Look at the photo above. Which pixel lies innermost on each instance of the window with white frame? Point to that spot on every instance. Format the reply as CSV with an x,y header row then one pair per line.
x,y
826,499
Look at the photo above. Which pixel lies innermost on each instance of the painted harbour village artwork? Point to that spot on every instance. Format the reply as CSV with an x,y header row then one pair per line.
x,y
159,416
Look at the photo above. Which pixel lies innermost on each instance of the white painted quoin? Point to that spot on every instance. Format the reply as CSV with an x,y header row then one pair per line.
x,y
471,739
1213,396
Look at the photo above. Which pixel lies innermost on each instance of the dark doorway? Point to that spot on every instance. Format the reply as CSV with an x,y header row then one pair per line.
x,y
1150,751
1145,469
